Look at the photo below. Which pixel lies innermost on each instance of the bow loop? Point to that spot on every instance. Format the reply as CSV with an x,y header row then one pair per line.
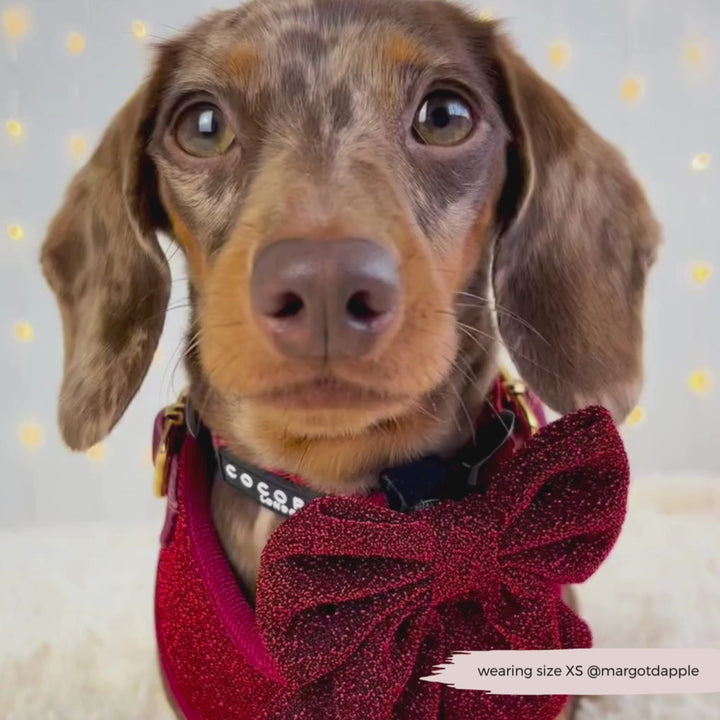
x,y
559,503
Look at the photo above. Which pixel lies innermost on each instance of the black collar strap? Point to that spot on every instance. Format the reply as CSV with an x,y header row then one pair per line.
x,y
272,491
431,479
408,487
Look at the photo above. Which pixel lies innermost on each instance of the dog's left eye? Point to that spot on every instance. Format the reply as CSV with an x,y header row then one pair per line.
x,y
444,118
202,131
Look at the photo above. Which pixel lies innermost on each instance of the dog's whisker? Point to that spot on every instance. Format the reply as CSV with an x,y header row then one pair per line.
x,y
468,330
474,339
187,347
486,302
176,357
301,460
463,407
418,405
502,312
482,333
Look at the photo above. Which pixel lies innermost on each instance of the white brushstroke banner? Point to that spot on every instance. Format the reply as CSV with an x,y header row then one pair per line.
x,y
594,671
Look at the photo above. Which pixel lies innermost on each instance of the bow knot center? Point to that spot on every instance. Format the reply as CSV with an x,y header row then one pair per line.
x,y
465,564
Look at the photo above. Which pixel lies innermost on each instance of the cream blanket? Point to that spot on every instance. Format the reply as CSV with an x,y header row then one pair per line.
x,y
76,633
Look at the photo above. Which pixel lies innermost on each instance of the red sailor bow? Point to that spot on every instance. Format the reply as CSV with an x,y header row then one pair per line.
x,y
357,602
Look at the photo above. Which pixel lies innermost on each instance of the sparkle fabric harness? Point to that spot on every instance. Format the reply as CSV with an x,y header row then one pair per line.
x,y
358,598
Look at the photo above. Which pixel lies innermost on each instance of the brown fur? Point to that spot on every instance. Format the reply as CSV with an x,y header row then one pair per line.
x,y
320,96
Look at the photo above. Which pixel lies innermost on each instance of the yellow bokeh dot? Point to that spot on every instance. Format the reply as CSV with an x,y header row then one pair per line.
x,y
158,357
700,162
696,56
97,452
632,88
23,331
486,15
15,232
14,128
693,53
559,54
700,273
16,22
636,417
77,146
700,382
75,43
31,435
139,29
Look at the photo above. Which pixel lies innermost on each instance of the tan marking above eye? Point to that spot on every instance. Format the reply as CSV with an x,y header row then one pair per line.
x,y
241,62
201,130
444,118
400,50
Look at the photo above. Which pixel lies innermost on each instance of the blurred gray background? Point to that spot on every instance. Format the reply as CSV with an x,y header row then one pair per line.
x,y
646,74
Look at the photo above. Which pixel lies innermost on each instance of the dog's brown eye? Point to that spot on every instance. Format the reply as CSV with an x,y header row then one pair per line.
x,y
202,131
444,118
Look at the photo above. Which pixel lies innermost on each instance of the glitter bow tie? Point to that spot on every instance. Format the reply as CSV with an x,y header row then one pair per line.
x,y
357,602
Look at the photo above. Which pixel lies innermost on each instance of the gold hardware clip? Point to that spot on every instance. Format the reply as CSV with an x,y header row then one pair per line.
x,y
518,390
173,416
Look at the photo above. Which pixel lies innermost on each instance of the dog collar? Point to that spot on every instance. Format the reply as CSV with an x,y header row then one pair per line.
x,y
510,417
405,488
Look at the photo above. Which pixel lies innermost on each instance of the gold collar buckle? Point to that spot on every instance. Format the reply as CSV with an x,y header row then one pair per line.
x,y
518,393
173,416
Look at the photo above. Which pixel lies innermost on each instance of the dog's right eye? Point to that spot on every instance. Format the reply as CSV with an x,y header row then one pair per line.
x,y
201,130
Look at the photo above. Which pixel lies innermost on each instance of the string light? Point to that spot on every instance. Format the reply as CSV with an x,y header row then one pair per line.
x,y
559,53
77,146
24,332
75,43
700,382
97,452
16,22
697,57
158,357
700,162
632,88
693,54
636,417
14,128
15,232
700,273
139,29
31,435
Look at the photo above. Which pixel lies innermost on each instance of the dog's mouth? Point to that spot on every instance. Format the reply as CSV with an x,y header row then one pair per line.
x,y
326,393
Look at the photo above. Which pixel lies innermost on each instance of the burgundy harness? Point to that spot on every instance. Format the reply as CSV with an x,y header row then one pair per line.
x,y
358,598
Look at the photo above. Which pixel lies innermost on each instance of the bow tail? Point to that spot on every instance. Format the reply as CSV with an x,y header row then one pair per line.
x,y
574,631
466,631
421,700
372,684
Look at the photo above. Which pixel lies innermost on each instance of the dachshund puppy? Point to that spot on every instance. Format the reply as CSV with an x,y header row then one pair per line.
x,y
373,197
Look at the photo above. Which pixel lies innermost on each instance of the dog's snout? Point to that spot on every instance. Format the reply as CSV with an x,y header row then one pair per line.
x,y
325,298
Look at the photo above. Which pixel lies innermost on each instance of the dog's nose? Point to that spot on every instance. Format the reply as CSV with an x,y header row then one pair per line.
x,y
325,298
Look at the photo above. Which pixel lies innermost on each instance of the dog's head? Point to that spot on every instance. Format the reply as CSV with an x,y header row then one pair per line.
x,y
369,195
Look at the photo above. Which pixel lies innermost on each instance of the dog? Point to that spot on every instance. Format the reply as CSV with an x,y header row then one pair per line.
x,y
373,199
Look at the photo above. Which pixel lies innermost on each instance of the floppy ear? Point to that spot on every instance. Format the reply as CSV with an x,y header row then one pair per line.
x,y
577,241
110,277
